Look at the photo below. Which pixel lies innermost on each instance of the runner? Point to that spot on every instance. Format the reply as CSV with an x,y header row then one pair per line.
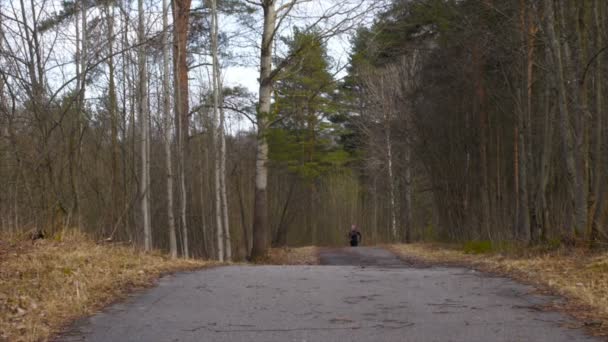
x,y
354,236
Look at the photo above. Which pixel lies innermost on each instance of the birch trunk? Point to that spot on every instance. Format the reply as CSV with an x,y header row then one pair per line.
x,y
206,186
144,127
114,206
125,81
183,200
81,103
221,133
386,95
167,128
79,81
228,243
407,193
80,65
217,136
391,177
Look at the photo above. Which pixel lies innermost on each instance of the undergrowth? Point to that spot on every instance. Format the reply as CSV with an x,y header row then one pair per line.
x,y
46,284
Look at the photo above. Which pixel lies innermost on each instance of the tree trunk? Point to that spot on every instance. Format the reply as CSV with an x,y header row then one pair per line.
x,y
407,192
217,128
480,93
75,179
261,231
228,242
205,189
523,122
221,132
597,156
567,140
387,101
167,128
545,163
114,187
523,221
530,31
126,92
579,112
181,15
583,25
144,128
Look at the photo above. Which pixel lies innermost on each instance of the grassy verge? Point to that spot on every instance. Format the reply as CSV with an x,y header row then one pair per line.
x,y
47,284
578,275
292,256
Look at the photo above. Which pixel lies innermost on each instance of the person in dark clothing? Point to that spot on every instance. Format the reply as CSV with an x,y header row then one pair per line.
x,y
354,236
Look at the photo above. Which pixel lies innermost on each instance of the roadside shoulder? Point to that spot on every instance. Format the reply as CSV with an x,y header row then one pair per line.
x,y
308,255
47,285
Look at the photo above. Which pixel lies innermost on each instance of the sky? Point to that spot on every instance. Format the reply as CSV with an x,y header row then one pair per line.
x,y
243,40
308,12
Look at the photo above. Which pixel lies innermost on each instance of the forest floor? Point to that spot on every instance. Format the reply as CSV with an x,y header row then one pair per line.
x,y
46,284
578,275
292,256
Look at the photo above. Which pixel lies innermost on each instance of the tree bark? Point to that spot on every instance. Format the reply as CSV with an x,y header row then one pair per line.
x,y
181,15
217,128
228,241
523,124
387,99
144,128
167,128
597,156
580,111
112,110
582,119
545,163
407,192
480,93
261,231
567,139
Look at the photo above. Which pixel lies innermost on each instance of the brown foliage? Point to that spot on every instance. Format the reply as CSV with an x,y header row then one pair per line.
x,y
45,285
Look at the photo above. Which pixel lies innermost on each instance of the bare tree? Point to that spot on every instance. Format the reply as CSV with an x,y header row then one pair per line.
x,y
168,138
181,15
144,115
217,135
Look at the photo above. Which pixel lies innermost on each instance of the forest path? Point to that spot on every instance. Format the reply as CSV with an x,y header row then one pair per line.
x,y
359,294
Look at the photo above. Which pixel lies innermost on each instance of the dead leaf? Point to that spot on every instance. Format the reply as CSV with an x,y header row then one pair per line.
x,y
20,312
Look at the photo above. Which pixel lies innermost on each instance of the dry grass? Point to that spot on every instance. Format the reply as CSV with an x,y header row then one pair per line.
x,y
578,275
46,285
293,256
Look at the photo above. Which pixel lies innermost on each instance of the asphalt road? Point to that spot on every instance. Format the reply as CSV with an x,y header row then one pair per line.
x,y
359,294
